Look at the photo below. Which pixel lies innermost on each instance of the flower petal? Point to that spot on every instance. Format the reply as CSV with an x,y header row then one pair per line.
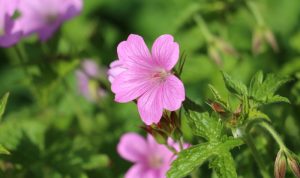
x,y
132,147
173,93
116,68
150,105
134,52
165,51
129,85
136,171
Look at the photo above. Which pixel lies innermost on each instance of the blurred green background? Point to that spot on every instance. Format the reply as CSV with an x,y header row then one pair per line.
x,y
52,131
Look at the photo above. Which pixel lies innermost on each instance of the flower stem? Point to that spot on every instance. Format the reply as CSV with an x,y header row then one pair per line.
x,y
249,141
253,8
274,135
203,27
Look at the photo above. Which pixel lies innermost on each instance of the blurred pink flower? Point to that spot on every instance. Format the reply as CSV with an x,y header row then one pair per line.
x,y
45,16
151,160
87,77
147,77
9,31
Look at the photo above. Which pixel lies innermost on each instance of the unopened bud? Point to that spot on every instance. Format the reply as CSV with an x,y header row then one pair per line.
x,y
215,55
271,40
280,165
226,48
294,165
257,40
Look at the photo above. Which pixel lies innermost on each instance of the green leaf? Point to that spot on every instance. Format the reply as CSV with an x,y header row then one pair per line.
x,y
204,126
3,150
256,81
3,102
189,159
193,157
224,165
234,86
278,99
263,91
255,114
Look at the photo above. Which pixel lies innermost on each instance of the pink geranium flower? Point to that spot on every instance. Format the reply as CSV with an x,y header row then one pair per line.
x,y
147,77
9,31
151,160
45,16
87,80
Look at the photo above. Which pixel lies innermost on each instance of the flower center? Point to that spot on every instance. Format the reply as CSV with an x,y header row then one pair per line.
x,y
161,74
155,161
51,18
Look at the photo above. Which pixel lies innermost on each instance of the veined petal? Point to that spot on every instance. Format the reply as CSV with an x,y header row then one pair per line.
x,y
165,52
173,93
116,68
134,53
132,147
130,85
150,105
136,171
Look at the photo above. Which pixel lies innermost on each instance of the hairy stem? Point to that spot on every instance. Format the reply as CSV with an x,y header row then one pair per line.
x,y
249,141
203,27
274,135
253,8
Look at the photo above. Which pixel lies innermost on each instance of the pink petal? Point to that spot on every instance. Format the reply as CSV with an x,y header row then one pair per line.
x,y
136,171
173,93
129,85
165,51
116,68
132,147
150,105
134,52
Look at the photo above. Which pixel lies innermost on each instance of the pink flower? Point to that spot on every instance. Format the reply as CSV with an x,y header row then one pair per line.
x,y
151,160
9,31
147,77
45,16
87,80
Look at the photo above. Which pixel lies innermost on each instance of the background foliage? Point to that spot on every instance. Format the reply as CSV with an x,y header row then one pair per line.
x,y
52,131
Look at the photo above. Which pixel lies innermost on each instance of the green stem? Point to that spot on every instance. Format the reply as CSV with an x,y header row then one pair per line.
x,y
249,141
203,27
253,8
274,135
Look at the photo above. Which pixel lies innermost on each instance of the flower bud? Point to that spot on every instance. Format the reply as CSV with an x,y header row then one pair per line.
x,y
257,40
215,55
280,165
294,165
271,40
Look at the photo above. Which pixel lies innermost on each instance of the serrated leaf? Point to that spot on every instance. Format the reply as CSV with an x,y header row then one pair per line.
x,y
3,103
263,91
224,165
3,150
204,126
277,99
215,93
189,159
193,157
255,114
234,86
256,81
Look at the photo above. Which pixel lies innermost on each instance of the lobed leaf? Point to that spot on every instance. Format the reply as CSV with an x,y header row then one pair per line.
x,y
204,126
193,157
263,91
234,86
